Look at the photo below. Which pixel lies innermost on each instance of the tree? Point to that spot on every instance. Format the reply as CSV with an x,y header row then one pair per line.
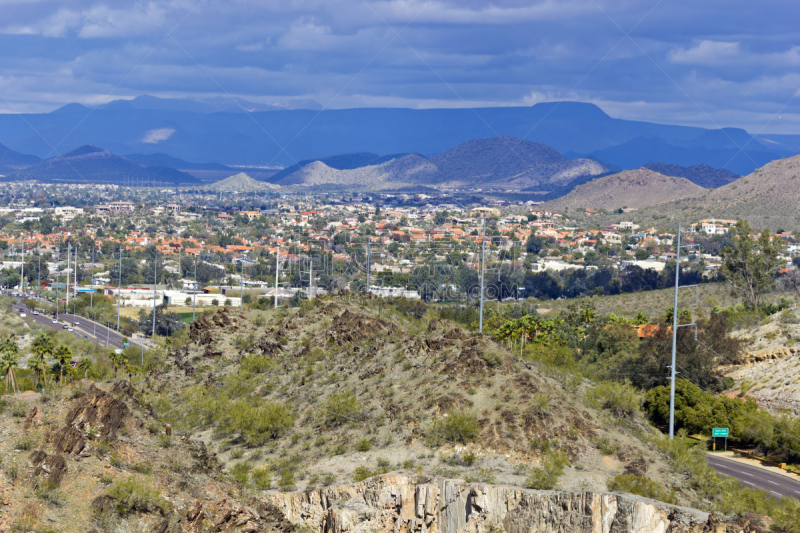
x,y
749,265
63,355
42,348
9,359
534,244
117,361
166,323
641,254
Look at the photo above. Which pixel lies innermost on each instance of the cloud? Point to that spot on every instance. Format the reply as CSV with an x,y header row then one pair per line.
x,y
156,136
707,53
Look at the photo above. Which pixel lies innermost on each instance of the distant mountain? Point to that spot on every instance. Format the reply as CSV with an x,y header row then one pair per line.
x,y
630,188
708,150
501,163
91,164
702,175
768,197
164,160
241,183
11,161
203,131
339,162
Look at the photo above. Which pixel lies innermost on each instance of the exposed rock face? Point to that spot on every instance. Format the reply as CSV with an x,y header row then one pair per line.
x,y
48,467
394,503
766,355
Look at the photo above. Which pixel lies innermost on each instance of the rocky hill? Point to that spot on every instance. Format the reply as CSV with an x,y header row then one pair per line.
x,y
702,175
342,415
91,164
766,198
629,188
241,183
500,163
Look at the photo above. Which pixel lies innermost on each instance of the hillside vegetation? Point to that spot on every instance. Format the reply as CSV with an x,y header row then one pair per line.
x,y
502,162
629,188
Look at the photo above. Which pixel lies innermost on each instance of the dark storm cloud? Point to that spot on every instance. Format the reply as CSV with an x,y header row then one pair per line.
x,y
703,63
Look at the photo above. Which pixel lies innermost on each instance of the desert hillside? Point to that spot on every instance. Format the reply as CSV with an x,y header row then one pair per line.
x,y
630,188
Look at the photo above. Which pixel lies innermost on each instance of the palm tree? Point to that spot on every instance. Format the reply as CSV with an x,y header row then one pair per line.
x,y
63,355
85,365
117,361
42,348
9,358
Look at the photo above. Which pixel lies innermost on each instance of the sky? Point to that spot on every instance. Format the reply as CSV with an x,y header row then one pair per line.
x,y
712,63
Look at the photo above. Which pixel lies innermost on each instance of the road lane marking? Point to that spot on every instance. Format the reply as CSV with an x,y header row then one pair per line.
x,y
746,474
778,493
751,484
768,481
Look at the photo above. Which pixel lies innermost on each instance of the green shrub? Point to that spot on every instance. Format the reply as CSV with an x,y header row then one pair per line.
x,y
622,399
132,495
261,478
363,445
145,467
546,477
286,480
641,486
241,473
257,422
606,445
257,364
340,407
26,442
457,426
362,472
19,409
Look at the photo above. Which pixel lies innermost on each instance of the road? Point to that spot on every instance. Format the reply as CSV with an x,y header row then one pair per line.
x,y
84,328
776,484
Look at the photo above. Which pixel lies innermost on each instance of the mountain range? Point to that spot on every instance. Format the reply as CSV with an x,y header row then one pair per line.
x,y
499,163
241,135
89,164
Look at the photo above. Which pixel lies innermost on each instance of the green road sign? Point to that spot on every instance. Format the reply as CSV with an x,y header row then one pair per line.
x,y
719,432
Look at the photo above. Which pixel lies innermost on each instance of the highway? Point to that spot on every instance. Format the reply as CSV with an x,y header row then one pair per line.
x,y
81,327
752,476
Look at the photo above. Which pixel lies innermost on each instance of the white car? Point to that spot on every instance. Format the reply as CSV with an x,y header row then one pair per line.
x,y
69,328
36,312
76,323
55,321
22,315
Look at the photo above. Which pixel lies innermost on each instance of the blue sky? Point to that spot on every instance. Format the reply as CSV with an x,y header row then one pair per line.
x,y
711,63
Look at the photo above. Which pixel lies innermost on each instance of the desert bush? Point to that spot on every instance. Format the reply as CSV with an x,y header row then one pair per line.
x,y
26,442
286,480
606,445
261,478
546,476
240,473
19,409
622,399
363,445
257,364
641,486
340,407
456,426
133,495
256,421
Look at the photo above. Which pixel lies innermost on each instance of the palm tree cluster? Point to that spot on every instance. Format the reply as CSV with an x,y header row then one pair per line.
x,y
519,331
43,349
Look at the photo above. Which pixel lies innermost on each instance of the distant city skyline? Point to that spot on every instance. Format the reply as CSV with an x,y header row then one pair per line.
x,y
711,64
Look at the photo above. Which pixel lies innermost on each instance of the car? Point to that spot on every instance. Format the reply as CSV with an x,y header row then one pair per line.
x,y
66,326
76,323
69,328
22,315
36,312
55,321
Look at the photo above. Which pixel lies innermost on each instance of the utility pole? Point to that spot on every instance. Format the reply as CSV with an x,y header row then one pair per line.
x,y
483,255
674,338
241,285
66,303
194,293
57,278
155,281
119,288
91,293
22,269
39,274
75,300
368,265
277,271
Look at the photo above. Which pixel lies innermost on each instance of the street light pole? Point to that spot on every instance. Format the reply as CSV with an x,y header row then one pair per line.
x,y
119,287
674,339
155,281
483,255
194,293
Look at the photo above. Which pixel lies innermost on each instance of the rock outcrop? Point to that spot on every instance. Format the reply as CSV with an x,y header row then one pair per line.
x,y
394,503
749,358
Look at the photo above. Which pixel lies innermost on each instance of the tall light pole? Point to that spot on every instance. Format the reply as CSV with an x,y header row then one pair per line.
x,y
277,270
241,285
66,304
155,281
22,268
91,293
57,278
119,288
483,255
674,339
194,293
